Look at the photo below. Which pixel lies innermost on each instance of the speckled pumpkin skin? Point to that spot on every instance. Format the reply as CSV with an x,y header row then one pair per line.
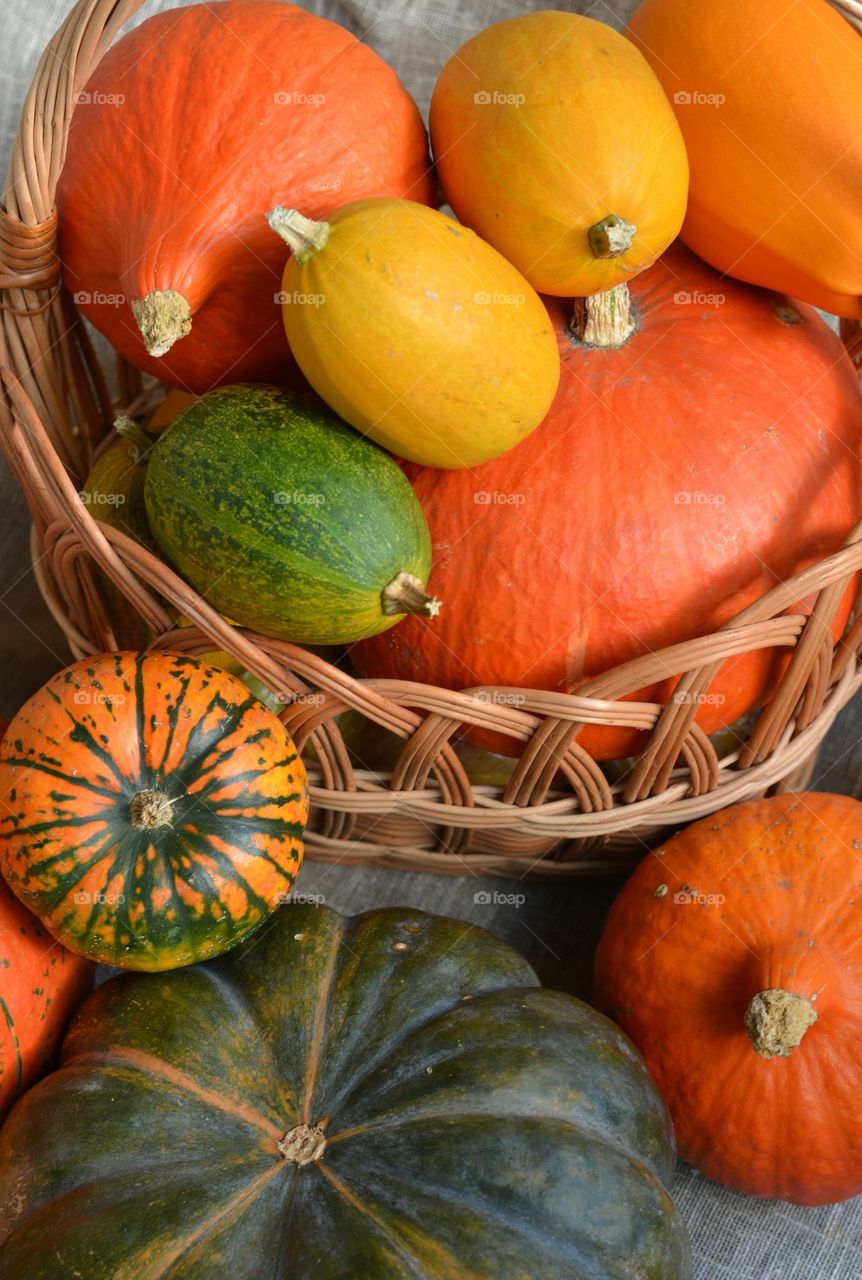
x,y
110,727
764,895
476,1125
41,983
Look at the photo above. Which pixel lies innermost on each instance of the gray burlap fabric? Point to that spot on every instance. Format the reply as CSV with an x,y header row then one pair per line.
x,y
735,1238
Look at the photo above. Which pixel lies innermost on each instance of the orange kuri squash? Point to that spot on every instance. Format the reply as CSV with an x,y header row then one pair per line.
x,y
731,959
769,98
675,480
193,124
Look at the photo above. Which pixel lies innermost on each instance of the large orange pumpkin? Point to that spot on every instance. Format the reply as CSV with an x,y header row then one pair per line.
x,y
190,127
731,958
41,984
768,98
554,140
675,480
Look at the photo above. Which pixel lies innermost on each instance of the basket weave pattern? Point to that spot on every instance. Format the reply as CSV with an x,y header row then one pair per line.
x,y
559,815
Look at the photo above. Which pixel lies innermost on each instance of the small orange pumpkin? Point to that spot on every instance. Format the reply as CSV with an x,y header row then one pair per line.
x,y
41,984
731,959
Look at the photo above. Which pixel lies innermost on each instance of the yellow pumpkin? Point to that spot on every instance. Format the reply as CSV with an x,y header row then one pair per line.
x,y
555,141
416,332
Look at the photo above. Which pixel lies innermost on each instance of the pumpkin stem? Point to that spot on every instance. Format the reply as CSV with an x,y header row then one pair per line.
x,y
776,1020
163,317
150,809
604,319
304,1144
302,235
611,237
138,440
406,594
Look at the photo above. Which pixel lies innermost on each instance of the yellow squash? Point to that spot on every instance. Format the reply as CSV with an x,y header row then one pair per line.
x,y
555,141
416,332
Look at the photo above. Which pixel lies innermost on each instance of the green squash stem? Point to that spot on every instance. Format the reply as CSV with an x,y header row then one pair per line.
x,y
135,435
611,237
604,319
776,1020
406,594
303,236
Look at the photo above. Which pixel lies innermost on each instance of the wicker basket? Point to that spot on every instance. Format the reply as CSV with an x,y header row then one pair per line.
x,y
559,815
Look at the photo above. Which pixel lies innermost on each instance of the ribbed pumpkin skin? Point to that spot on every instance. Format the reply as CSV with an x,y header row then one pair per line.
x,y
674,481
283,517
98,734
776,164
454,360
544,125
41,983
476,1125
678,976
279,106
114,495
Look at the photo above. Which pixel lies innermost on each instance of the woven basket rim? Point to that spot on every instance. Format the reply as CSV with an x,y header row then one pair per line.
x,y
559,815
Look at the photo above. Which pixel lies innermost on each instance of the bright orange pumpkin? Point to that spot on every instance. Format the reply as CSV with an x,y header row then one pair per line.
x,y
554,140
191,126
768,98
416,332
41,985
731,959
675,480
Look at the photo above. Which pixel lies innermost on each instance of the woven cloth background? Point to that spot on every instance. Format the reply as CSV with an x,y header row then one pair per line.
x,y
556,926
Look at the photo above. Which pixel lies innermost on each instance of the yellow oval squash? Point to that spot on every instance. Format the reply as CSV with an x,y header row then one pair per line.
x,y
416,332
555,141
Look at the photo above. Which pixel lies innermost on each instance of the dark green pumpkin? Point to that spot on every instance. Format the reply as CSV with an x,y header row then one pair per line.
x,y
286,520
114,495
387,1097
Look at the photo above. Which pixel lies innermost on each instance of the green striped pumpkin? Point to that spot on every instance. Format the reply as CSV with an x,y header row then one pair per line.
x,y
387,1097
286,520
154,809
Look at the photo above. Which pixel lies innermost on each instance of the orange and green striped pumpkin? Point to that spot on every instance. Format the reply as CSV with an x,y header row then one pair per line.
x,y
153,809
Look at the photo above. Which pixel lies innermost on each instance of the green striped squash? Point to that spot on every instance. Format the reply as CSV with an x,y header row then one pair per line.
x,y
154,809
286,520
